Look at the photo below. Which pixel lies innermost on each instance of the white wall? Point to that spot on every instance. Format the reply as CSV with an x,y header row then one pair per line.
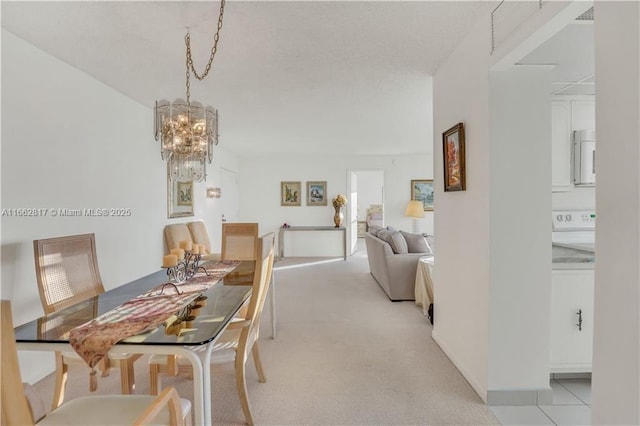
x,y
520,249
616,357
260,179
69,141
474,283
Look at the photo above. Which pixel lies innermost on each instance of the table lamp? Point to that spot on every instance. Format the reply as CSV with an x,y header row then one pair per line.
x,y
415,210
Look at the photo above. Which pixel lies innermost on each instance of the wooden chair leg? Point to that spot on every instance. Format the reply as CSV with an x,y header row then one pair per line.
x,y
127,378
241,383
258,363
61,381
154,379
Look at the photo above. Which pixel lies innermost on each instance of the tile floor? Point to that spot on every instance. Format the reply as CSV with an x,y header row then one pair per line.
x,y
571,406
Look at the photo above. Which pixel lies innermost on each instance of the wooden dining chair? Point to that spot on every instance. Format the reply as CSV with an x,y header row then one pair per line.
x,y
67,273
239,241
17,410
239,340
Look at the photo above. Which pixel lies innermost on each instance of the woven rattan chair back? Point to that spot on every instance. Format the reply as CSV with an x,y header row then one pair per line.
x,y
66,270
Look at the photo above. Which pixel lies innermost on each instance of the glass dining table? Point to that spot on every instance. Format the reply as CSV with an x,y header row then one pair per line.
x,y
223,300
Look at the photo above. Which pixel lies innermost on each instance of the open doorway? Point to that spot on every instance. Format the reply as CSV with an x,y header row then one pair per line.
x,y
366,190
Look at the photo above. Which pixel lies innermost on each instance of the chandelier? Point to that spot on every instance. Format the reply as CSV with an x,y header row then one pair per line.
x,y
187,130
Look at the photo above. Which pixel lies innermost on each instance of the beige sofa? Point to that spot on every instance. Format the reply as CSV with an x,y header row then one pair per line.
x,y
394,272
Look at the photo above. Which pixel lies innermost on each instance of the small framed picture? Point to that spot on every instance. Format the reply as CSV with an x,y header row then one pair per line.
x,y
422,190
290,193
179,198
453,157
317,193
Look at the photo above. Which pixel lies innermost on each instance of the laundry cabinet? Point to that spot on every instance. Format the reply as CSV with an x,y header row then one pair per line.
x,y
572,295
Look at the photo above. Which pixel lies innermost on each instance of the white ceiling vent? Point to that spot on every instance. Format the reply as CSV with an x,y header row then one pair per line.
x,y
586,16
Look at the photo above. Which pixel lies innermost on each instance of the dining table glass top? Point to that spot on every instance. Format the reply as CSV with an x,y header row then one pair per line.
x,y
207,321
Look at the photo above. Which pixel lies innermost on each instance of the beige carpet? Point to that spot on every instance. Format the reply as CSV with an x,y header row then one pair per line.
x,y
344,355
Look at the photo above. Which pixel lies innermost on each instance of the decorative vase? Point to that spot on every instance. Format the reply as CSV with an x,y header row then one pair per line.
x,y
338,217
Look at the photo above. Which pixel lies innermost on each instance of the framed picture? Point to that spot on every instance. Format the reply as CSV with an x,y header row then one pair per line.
x,y
317,193
290,193
453,156
422,190
179,198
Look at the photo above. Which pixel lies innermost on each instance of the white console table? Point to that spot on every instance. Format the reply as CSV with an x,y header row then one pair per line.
x,y
281,236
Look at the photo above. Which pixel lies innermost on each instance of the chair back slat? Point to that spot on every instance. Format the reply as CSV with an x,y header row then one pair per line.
x,y
239,241
66,270
15,409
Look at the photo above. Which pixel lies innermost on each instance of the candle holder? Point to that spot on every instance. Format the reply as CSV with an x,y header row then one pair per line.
x,y
191,264
176,274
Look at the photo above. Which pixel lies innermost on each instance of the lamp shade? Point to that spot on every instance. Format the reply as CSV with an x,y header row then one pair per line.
x,y
415,209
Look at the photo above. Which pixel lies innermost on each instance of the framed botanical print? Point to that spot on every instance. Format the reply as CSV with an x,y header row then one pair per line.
x,y
422,190
179,198
290,193
453,156
317,193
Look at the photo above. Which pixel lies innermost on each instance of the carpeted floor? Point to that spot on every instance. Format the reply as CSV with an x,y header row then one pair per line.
x,y
344,355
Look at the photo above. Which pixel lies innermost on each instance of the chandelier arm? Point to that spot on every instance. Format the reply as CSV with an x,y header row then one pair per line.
x,y
214,49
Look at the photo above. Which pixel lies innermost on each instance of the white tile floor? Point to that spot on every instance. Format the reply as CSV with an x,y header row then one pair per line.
x,y
571,406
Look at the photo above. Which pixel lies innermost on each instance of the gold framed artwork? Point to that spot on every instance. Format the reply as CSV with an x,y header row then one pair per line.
x,y
179,198
453,157
317,193
290,193
422,190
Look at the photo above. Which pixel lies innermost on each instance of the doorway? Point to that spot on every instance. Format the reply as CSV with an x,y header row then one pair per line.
x,y
366,194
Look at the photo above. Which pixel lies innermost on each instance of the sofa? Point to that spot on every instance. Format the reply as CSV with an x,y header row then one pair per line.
x,y
393,260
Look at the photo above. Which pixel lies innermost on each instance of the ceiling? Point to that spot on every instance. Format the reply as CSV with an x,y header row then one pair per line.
x,y
571,53
297,77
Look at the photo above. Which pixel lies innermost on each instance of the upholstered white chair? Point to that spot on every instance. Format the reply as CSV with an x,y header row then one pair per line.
x,y
166,409
67,273
200,235
240,339
194,232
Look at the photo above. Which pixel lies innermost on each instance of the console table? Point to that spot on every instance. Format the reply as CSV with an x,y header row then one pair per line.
x,y
313,229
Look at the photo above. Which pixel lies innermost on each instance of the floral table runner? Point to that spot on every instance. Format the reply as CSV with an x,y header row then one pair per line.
x,y
93,340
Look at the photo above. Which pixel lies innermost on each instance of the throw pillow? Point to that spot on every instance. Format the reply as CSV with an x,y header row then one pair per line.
x,y
374,229
398,243
391,228
416,243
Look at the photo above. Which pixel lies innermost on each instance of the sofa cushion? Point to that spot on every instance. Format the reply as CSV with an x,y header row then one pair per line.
x,y
374,229
395,240
416,243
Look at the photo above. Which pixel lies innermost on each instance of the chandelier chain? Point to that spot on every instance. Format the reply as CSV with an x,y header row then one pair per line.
x,y
214,49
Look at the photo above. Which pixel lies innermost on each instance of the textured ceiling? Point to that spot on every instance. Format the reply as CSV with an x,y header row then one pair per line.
x,y
298,77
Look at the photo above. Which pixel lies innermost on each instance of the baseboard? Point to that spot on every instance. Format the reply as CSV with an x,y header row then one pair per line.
x,y
498,397
480,390
520,397
561,376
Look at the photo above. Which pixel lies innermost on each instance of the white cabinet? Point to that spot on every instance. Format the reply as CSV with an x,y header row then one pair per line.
x,y
572,320
561,146
567,114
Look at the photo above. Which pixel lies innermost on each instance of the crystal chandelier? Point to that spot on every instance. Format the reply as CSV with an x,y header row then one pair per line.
x,y
187,130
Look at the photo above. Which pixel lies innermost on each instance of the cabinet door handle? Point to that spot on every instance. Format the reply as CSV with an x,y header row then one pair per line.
x,y
579,324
